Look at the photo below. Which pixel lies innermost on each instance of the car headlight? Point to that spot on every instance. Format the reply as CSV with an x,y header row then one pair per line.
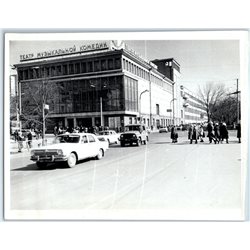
x,y
59,152
121,136
134,136
32,152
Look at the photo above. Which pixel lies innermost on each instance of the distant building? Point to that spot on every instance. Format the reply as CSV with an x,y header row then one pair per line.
x,y
193,109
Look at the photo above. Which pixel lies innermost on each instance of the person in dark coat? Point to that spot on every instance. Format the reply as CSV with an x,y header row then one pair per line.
x,y
29,137
174,134
224,132
210,133
239,131
194,134
217,133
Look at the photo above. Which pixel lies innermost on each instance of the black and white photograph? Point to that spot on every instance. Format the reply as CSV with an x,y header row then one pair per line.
x,y
125,126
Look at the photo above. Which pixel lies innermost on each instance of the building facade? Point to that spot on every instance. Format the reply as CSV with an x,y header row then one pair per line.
x,y
105,84
101,85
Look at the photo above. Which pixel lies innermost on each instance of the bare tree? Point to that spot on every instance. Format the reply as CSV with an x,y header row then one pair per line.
x,y
211,94
37,94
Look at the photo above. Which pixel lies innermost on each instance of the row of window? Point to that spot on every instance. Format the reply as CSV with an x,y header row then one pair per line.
x,y
138,71
196,105
70,68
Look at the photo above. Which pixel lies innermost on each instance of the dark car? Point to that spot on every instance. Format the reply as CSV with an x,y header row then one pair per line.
x,y
134,134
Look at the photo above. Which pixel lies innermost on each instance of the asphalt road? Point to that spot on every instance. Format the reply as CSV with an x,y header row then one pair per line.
x,y
128,181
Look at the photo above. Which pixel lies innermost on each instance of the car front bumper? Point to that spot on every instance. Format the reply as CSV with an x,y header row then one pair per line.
x,y
50,158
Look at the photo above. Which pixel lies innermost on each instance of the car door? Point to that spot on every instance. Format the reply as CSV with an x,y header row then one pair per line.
x,y
84,147
92,146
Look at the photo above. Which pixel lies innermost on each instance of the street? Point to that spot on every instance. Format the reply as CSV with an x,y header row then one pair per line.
x,y
159,176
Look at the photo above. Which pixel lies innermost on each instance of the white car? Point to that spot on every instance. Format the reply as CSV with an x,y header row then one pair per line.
x,y
111,136
104,141
69,148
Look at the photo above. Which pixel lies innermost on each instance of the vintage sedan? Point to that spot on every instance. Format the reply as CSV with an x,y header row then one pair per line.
x,y
69,148
111,135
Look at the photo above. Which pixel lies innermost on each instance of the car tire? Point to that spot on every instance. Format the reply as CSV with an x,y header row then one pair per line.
x,y
71,162
108,141
41,164
145,142
100,154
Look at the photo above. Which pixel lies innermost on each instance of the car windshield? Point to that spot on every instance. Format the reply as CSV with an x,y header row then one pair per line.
x,y
133,128
68,139
104,133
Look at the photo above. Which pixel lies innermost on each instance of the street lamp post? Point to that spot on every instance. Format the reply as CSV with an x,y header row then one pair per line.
x,y
101,108
143,92
173,108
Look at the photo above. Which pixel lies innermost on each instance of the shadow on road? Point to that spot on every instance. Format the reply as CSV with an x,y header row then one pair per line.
x,y
50,166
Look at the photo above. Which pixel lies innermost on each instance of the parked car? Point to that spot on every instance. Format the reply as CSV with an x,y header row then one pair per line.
x,y
163,130
134,134
69,148
111,136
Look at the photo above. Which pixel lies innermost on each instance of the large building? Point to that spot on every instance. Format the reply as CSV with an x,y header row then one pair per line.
x,y
102,84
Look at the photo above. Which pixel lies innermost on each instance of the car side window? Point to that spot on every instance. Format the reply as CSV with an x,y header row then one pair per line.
x,y
91,138
84,139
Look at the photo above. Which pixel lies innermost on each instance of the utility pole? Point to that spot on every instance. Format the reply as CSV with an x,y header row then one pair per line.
x,y
238,106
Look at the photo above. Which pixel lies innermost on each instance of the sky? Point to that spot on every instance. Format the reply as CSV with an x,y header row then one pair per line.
x,y
201,61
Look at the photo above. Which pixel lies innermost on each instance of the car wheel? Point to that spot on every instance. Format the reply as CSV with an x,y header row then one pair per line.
x,y
145,142
147,138
41,164
71,162
100,154
108,141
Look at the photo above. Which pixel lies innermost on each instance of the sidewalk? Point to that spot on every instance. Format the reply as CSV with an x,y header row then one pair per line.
x,y
36,143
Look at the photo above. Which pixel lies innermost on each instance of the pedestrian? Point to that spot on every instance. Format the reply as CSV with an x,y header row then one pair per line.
x,y
217,133
201,133
29,140
224,132
174,134
239,131
193,134
20,140
210,134
15,135
55,130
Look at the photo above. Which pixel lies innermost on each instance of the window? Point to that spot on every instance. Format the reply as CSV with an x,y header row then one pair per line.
x,y
71,68
77,68
91,138
117,63
110,64
103,65
83,67
130,120
84,139
59,70
65,69
90,66
157,109
97,66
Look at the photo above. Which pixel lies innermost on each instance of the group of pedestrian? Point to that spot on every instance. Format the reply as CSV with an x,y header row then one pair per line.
x,y
195,133
20,138
217,132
